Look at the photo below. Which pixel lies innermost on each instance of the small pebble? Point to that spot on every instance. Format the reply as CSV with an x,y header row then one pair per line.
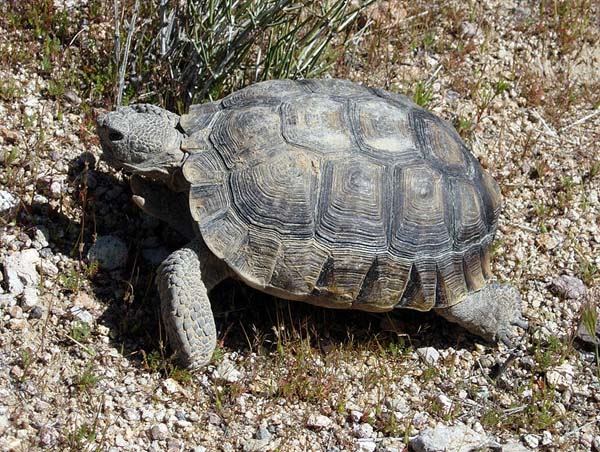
x,y
429,355
319,421
159,432
532,441
8,204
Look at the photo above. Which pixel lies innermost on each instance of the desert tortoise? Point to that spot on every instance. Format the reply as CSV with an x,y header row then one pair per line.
x,y
322,191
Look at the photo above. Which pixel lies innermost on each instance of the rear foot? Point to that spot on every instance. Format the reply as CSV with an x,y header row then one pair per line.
x,y
491,313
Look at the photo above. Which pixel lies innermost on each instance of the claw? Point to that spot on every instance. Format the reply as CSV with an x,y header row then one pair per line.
x,y
521,323
503,337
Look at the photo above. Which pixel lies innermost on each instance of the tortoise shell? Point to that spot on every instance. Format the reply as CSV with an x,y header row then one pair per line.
x,y
343,196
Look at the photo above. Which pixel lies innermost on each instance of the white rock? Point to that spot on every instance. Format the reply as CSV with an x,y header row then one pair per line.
x,y
30,298
547,438
319,421
40,238
561,376
420,420
81,314
429,355
131,414
109,251
532,441
227,371
171,386
363,430
56,189
48,268
7,300
159,432
20,270
8,203
445,403
255,445
366,445
398,403
457,438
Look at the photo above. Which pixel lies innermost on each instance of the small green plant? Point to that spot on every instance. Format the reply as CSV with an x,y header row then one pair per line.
x,y
9,90
541,211
81,331
81,438
429,373
491,418
180,375
589,318
422,95
588,271
550,354
88,379
464,126
91,269
153,360
71,280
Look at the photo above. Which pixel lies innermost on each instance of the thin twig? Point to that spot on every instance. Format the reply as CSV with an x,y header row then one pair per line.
x,y
434,75
126,53
117,33
596,112
549,130
88,350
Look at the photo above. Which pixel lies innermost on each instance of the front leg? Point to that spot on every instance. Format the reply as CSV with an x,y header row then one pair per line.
x,y
185,306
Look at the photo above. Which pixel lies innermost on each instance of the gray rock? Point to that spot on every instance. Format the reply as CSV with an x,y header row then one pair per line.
x,y
109,251
37,312
20,270
263,433
429,355
363,430
514,446
584,335
8,204
159,432
569,287
457,438
255,445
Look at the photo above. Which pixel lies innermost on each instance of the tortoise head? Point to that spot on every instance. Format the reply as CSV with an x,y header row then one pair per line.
x,y
143,139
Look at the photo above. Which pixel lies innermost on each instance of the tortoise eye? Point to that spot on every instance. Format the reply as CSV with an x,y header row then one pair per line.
x,y
113,135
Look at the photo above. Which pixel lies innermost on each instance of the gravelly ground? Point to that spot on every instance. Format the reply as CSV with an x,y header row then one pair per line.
x,y
82,365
